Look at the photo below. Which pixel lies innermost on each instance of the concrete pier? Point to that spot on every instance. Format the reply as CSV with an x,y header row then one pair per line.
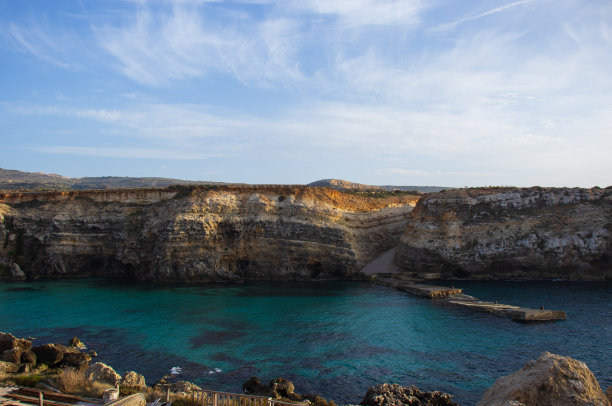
x,y
430,291
455,296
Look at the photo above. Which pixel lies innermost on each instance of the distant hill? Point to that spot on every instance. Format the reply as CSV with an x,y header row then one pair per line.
x,y
340,184
18,180
37,181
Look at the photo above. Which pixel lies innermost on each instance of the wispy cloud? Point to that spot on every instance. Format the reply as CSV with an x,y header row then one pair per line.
x,y
32,39
359,13
452,25
187,43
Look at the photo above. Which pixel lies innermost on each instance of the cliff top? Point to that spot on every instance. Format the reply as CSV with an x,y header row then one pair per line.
x,y
313,195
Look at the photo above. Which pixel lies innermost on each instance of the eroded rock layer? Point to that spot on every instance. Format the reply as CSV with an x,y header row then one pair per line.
x,y
191,234
531,233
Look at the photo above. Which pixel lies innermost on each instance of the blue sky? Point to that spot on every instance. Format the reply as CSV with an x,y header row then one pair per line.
x,y
408,92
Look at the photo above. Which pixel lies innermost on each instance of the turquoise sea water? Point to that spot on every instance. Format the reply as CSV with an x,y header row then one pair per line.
x,y
334,339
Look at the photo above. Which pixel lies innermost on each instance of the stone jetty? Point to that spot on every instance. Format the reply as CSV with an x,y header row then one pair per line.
x,y
455,296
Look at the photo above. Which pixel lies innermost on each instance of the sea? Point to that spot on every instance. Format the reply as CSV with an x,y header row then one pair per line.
x,y
334,339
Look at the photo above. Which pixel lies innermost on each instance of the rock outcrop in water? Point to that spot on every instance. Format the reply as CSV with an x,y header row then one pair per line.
x,y
552,380
396,395
505,233
190,234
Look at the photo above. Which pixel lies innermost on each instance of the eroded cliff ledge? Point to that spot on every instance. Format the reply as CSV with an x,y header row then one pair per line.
x,y
514,233
200,233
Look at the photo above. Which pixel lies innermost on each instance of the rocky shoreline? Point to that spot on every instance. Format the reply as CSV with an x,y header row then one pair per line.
x,y
550,380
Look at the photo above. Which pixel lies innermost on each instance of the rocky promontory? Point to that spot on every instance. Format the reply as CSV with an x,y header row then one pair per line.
x,y
198,233
510,233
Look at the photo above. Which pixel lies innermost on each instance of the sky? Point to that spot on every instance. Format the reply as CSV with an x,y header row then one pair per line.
x,y
402,92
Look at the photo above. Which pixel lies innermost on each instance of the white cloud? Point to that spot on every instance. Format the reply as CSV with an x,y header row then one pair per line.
x,y
454,24
186,43
38,42
356,13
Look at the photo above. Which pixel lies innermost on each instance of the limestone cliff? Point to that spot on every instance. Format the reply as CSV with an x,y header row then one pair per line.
x,y
532,233
200,233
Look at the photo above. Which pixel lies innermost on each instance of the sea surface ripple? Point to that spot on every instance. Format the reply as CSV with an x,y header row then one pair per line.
x,y
334,338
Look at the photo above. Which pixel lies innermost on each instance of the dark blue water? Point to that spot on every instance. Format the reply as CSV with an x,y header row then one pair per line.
x,y
333,339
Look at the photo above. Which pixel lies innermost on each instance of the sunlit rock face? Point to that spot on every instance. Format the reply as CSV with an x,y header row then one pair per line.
x,y
504,233
197,234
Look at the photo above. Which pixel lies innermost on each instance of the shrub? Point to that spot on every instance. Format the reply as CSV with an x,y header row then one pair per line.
x,y
74,381
184,401
71,380
27,380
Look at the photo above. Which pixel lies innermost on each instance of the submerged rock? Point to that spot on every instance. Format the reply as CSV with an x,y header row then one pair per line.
x,y
396,395
552,380
76,343
100,372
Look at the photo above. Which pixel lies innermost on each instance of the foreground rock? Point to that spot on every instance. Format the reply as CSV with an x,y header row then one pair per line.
x,y
133,380
8,367
552,380
100,372
505,233
396,395
49,354
10,342
282,389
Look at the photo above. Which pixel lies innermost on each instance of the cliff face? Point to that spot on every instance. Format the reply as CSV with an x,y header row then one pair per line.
x,y
232,233
222,233
534,233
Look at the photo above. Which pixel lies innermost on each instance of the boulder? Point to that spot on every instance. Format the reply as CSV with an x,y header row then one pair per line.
x,y
283,388
396,395
9,342
8,367
16,272
76,343
50,354
92,353
133,380
28,357
100,372
254,387
184,387
13,356
552,380
76,359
